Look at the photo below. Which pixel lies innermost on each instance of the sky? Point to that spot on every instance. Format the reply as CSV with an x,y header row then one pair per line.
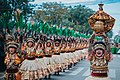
x,y
112,9
63,1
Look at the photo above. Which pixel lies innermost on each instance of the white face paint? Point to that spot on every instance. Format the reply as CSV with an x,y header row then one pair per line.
x,y
99,53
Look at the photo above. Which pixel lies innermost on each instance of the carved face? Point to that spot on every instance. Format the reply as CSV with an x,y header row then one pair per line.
x,y
99,53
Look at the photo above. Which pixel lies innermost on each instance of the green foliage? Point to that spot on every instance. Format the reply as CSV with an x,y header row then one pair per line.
x,y
109,34
7,13
51,12
57,13
117,39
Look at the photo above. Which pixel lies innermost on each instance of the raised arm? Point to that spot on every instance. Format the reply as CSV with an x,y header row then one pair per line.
x,y
91,41
106,39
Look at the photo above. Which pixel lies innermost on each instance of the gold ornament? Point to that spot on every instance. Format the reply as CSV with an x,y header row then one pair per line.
x,y
100,21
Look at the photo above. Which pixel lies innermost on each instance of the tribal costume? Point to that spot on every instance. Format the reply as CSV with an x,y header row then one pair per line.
x,y
57,57
48,56
12,61
29,67
40,58
99,56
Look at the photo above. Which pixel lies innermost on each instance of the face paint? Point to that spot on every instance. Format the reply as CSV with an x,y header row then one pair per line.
x,y
12,50
48,44
56,44
99,52
30,44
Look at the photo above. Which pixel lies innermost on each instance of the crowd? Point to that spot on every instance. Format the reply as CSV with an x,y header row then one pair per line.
x,y
36,57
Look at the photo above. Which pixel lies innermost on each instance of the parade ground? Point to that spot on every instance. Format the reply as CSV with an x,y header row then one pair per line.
x,y
81,71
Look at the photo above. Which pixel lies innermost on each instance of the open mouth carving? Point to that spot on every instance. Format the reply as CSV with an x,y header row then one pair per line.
x,y
99,54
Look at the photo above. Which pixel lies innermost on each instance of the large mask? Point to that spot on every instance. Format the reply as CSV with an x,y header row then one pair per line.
x,y
99,49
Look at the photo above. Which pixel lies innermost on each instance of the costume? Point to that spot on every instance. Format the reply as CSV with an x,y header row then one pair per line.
x,y
29,67
63,54
99,61
40,58
48,52
99,51
12,61
57,57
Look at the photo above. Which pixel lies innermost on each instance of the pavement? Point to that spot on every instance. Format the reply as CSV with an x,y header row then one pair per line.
x,y
81,71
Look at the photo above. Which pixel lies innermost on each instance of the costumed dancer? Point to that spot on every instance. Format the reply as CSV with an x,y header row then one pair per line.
x,y
85,48
99,51
40,60
71,50
82,48
75,60
79,48
48,52
12,61
99,56
68,57
29,67
56,57
63,54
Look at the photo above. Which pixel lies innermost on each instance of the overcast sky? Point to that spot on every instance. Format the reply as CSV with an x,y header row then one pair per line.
x,y
64,1
113,9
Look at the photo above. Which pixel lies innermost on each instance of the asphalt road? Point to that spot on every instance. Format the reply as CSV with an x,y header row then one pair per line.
x,y
81,71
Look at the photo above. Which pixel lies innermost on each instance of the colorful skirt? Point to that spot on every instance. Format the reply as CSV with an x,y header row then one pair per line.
x,y
50,64
64,60
58,62
30,69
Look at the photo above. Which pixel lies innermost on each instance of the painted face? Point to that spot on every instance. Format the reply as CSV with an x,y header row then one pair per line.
x,y
57,44
30,44
12,50
48,44
99,52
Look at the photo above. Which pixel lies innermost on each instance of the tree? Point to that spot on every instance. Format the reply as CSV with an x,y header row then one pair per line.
x,y
57,13
7,10
79,15
51,12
